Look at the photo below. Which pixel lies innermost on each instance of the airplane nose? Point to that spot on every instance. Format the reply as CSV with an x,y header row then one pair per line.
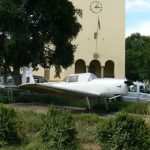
x,y
128,82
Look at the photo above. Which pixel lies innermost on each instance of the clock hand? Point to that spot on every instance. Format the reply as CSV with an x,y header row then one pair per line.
x,y
97,5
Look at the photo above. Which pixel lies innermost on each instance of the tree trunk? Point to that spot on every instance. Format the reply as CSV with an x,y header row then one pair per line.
x,y
16,75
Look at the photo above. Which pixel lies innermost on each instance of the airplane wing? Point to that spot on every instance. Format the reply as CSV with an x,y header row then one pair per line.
x,y
49,89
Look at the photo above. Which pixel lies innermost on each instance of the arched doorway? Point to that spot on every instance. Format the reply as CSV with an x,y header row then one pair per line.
x,y
109,69
95,68
80,66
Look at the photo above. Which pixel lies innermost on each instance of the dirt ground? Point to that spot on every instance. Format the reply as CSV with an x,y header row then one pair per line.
x,y
41,108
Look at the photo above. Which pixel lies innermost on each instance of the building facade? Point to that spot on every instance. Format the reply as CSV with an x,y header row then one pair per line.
x,y
101,42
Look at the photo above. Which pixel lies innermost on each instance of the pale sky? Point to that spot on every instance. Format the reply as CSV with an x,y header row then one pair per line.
x,y
137,17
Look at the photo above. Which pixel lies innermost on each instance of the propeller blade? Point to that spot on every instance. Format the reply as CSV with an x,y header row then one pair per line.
x,y
129,82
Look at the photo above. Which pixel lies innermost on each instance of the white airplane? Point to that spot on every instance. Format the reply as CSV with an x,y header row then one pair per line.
x,y
78,85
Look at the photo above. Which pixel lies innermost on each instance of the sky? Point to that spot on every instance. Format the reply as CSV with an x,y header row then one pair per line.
x,y
137,17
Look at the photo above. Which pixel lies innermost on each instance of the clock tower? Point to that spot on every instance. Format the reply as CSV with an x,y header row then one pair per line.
x,y
101,42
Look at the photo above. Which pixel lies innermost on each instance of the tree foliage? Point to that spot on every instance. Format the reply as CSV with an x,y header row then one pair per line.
x,y
27,26
138,57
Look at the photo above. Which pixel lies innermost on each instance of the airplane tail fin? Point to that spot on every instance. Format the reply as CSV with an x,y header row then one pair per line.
x,y
27,76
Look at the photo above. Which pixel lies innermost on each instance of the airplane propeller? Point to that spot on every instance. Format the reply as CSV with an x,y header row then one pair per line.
x,y
129,82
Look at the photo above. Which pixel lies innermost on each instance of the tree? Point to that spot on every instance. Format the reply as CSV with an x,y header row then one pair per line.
x,y
137,57
31,25
10,19
145,63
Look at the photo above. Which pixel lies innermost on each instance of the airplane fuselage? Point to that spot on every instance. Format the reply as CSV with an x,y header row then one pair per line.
x,y
97,87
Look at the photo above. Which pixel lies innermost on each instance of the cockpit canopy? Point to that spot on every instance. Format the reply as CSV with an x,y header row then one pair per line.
x,y
83,77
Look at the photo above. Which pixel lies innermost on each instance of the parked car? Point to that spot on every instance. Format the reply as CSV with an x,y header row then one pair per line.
x,y
137,92
39,79
7,81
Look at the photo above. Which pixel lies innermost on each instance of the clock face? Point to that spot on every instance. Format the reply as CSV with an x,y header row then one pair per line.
x,y
96,7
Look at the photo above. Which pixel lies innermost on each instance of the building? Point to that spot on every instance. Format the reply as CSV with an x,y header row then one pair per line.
x,y
101,42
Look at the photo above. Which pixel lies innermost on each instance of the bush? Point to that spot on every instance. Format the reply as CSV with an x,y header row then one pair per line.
x,y
138,108
86,126
4,98
12,131
124,132
58,131
33,121
36,144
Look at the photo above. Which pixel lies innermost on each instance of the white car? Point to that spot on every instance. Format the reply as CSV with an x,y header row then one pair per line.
x,y
138,92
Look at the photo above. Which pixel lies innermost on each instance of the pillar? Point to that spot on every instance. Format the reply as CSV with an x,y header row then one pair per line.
x,y
87,68
102,71
47,73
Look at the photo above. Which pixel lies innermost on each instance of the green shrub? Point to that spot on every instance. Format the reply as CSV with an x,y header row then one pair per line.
x,y
114,105
36,144
4,98
124,132
33,120
58,131
86,124
12,131
88,118
138,108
